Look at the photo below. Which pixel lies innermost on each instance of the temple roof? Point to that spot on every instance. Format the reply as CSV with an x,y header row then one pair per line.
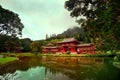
x,y
68,40
88,44
50,47
50,44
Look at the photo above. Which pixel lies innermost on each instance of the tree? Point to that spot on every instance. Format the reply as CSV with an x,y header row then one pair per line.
x,y
35,47
10,23
101,23
26,42
9,44
47,36
3,39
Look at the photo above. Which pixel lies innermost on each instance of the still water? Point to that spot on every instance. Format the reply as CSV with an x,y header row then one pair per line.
x,y
60,68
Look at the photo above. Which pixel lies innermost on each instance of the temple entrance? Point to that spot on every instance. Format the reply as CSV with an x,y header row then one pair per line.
x,y
66,48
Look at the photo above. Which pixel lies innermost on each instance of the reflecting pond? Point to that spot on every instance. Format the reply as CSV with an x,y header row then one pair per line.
x,y
60,68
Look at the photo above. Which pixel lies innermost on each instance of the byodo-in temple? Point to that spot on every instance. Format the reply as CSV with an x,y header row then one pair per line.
x,y
69,45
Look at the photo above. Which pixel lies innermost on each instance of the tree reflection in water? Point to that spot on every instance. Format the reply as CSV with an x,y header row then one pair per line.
x,y
60,68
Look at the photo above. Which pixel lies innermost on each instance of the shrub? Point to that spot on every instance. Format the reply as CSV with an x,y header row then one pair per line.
x,y
68,52
117,58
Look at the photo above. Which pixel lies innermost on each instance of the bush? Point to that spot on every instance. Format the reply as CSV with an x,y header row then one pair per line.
x,y
68,52
117,58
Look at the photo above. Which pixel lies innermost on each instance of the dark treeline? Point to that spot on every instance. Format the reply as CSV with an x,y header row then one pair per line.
x,y
14,44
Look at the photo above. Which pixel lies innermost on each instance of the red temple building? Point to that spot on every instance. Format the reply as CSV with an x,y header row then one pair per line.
x,y
69,45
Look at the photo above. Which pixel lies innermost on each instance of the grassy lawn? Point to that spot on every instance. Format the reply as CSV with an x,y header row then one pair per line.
x,y
24,54
12,56
7,59
18,54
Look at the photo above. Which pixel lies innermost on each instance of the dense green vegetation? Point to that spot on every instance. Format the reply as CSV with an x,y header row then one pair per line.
x,y
25,43
101,21
117,58
116,62
9,44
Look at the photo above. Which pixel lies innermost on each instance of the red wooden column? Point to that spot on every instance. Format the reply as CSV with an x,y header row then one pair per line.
x,y
93,49
73,49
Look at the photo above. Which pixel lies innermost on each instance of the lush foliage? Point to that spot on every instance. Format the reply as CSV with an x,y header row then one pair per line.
x,y
117,58
25,43
101,21
35,46
10,23
14,44
9,44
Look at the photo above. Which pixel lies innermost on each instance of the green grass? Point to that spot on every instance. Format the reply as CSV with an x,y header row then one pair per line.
x,y
13,56
7,59
24,54
18,54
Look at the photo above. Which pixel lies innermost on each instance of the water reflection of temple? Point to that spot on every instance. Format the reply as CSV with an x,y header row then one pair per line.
x,y
73,60
75,68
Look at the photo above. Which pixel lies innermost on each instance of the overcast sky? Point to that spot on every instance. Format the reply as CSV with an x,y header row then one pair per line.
x,y
41,17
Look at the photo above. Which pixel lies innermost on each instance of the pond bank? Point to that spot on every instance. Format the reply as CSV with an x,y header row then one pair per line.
x,y
79,55
58,55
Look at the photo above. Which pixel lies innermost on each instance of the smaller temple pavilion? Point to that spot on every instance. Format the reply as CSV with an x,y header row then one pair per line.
x,y
69,45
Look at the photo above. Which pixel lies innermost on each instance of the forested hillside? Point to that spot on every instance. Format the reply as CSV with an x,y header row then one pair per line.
x,y
76,32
